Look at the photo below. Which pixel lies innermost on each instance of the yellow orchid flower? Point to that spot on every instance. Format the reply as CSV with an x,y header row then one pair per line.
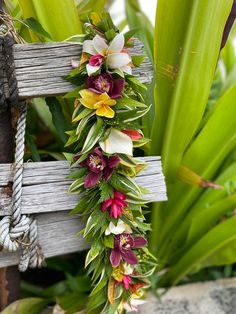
x,y
99,102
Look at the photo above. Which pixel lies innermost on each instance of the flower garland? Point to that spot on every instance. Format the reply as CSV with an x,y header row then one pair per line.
x,y
108,105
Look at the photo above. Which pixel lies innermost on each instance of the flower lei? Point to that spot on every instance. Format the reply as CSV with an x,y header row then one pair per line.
x,y
108,105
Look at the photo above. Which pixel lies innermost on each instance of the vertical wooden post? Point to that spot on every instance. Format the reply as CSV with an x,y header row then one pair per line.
x,y
9,277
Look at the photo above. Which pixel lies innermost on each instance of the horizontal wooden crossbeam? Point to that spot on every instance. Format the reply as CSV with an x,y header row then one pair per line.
x,y
45,194
45,187
40,68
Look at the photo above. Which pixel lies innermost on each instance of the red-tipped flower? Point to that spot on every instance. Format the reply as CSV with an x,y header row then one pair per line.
x,y
126,281
124,243
115,204
133,134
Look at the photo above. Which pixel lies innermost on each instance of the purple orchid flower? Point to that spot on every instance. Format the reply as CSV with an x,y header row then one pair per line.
x,y
115,204
104,83
99,165
124,243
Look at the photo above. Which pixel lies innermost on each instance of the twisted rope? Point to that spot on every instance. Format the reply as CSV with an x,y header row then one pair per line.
x,y
17,231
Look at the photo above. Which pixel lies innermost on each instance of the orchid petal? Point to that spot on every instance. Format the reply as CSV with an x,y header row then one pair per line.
x,y
92,179
92,69
88,47
74,64
118,86
127,69
119,195
100,45
118,60
129,257
113,161
115,258
105,111
107,172
106,204
117,44
117,143
128,269
139,242
116,210
118,229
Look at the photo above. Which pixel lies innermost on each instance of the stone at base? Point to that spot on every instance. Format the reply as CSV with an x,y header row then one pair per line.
x,y
216,297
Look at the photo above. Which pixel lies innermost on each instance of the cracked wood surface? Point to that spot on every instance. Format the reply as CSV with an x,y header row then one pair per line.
x,y
40,68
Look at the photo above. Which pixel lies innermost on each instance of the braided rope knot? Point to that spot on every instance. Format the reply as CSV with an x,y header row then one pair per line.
x,y
11,237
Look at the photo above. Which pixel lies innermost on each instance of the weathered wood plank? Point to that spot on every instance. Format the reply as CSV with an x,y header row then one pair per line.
x,y
40,68
56,235
45,187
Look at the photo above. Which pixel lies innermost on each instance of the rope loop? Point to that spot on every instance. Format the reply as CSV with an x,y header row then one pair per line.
x,y
17,231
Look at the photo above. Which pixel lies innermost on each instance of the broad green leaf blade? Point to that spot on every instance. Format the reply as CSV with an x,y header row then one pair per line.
x,y
207,200
172,19
29,305
136,18
202,222
58,17
36,27
194,79
58,118
214,241
211,147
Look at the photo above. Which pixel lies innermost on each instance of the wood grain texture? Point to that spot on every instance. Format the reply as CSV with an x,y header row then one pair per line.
x,y
45,196
40,68
45,187
56,235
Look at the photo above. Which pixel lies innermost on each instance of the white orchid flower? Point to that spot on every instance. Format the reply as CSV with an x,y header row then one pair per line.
x,y
117,143
115,58
118,229
133,305
128,269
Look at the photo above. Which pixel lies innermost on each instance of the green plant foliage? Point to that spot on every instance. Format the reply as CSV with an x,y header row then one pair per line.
x,y
30,305
194,128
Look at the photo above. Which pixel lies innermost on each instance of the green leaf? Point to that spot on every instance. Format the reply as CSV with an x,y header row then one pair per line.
x,y
216,148
32,146
29,305
124,101
199,63
93,136
36,27
138,60
84,113
76,185
199,255
130,34
136,17
72,302
58,118
109,241
96,249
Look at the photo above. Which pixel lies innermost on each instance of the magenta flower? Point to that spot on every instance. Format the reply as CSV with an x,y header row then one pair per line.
x,y
115,204
96,60
126,281
99,165
104,83
124,243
